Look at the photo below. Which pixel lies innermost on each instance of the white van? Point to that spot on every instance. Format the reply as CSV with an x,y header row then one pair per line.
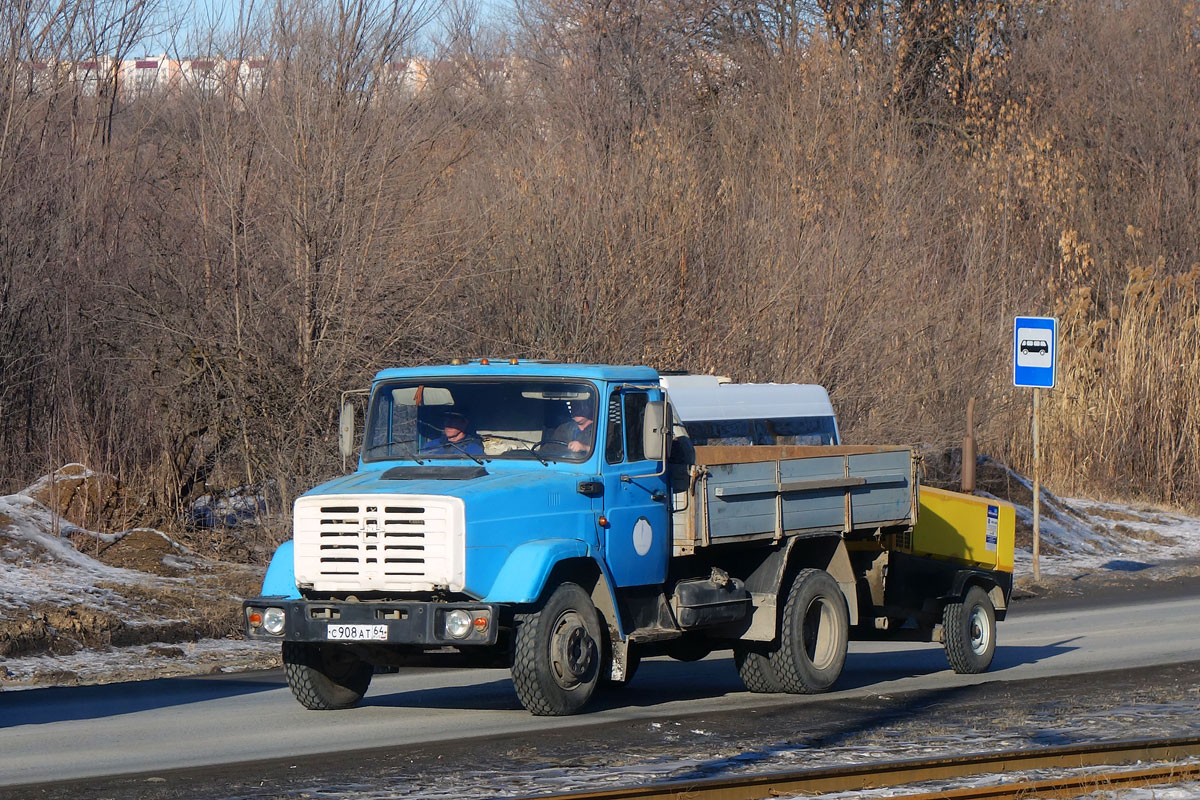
x,y
717,412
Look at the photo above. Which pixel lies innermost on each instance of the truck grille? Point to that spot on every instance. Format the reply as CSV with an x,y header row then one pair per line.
x,y
383,543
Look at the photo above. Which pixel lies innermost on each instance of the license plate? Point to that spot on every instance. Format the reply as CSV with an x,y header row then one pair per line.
x,y
355,633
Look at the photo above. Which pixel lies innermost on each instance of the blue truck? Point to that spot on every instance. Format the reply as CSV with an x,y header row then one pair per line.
x,y
568,520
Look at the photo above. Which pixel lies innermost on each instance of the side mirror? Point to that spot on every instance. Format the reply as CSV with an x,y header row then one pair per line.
x,y
346,432
655,430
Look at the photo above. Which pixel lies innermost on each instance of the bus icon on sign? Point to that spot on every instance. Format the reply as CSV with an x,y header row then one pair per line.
x,y
1034,346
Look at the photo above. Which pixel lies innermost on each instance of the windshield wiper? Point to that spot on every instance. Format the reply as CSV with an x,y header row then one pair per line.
x,y
528,446
387,446
465,452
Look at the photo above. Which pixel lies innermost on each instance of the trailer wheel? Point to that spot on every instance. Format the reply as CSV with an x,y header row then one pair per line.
x,y
754,667
556,659
324,677
814,631
969,632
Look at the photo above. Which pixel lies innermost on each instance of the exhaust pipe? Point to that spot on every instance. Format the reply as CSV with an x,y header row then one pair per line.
x,y
968,451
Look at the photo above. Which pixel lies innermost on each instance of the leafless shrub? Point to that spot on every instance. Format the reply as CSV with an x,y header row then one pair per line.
x,y
861,195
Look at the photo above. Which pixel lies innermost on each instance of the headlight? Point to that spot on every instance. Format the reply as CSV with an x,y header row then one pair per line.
x,y
273,621
458,623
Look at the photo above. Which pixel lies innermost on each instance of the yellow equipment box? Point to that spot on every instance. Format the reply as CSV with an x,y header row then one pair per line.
x,y
978,531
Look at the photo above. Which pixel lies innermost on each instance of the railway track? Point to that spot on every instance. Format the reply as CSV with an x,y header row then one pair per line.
x,y
1164,755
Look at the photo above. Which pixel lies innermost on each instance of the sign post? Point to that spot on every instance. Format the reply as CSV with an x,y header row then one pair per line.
x,y
1035,361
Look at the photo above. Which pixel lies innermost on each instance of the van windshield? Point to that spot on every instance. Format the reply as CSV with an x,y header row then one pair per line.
x,y
481,420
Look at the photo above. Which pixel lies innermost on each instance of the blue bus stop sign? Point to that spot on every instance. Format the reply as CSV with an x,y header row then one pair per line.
x,y
1035,352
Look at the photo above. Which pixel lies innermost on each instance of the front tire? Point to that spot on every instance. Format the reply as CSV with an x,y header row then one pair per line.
x,y
814,633
969,632
557,658
325,677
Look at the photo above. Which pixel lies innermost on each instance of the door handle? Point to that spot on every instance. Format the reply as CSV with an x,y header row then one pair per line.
x,y
658,496
590,488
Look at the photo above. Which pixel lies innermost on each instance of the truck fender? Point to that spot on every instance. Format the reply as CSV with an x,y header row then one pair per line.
x,y
280,580
966,578
528,566
843,572
769,583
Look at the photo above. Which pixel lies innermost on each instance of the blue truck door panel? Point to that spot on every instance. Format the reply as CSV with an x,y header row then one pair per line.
x,y
637,540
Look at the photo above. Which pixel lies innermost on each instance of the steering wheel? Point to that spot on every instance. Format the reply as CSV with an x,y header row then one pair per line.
x,y
537,447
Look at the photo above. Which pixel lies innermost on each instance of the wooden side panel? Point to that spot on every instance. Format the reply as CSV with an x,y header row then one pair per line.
x,y
742,454
813,508
888,493
734,507
839,489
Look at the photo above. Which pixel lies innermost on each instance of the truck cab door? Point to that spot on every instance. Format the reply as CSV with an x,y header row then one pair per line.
x,y
637,541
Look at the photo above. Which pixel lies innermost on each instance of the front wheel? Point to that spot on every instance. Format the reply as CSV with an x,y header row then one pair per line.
x,y
813,635
969,632
325,677
556,658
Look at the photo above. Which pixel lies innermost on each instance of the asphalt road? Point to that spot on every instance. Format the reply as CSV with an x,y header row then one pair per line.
x,y
153,727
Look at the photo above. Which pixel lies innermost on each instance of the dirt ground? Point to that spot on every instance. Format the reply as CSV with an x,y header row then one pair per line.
x,y
158,593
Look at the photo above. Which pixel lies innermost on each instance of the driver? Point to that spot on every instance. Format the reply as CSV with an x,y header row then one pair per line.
x,y
577,433
455,439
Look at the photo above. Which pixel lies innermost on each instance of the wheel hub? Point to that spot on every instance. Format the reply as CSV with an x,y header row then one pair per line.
x,y
572,651
980,634
820,643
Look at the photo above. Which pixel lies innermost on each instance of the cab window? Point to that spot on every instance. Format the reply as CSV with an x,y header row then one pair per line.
x,y
635,416
613,450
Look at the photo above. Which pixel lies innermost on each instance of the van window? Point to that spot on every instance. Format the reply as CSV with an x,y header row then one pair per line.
x,y
786,430
721,432
797,430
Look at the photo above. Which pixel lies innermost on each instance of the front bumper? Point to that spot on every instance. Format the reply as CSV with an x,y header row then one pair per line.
x,y
406,623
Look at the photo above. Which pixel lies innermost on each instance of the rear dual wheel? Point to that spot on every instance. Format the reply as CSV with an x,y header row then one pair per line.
x,y
814,634
814,630
754,668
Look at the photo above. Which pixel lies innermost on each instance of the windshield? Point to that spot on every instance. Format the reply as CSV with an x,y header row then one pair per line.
x,y
481,420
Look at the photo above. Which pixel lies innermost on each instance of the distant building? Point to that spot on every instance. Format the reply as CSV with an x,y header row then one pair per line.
x,y
157,75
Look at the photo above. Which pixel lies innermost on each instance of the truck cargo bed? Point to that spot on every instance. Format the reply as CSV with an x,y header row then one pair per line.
x,y
739,494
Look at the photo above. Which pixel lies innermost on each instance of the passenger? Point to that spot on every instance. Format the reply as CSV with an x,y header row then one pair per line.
x,y
455,439
579,432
